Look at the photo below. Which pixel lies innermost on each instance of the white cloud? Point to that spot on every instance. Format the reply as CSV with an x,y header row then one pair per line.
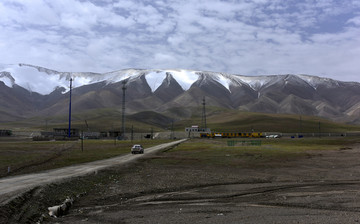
x,y
242,37
354,20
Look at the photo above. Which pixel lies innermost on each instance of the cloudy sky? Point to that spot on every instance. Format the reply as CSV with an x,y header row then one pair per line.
x,y
246,37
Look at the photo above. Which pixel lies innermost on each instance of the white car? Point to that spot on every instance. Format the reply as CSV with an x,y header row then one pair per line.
x,y
137,149
273,136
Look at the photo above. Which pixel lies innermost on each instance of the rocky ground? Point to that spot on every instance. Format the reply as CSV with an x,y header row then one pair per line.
x,y
323,187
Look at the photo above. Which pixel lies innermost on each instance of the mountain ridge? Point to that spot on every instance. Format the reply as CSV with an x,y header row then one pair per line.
x,y
226,79
161,90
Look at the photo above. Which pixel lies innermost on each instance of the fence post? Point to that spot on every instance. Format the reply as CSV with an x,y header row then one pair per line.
x,y
231,142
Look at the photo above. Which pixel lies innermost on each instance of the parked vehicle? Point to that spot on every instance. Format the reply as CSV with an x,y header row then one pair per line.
x,y
137,149
232,135
273,136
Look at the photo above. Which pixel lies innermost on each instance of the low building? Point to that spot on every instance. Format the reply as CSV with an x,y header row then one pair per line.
x,y
64,132
197,129
5,132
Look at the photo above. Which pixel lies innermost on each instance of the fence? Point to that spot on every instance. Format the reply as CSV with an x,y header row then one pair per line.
x,y
244,142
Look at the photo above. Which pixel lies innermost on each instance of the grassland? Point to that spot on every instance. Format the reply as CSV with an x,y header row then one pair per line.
x,y
218,119
31,156
195,164
240,121
216,152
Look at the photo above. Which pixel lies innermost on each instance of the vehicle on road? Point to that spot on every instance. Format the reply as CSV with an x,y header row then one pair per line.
x,y
137,149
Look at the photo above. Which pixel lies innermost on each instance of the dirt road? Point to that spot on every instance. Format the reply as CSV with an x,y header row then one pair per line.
x,y
11,187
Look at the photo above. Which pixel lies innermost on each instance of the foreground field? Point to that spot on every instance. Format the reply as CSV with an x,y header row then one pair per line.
x,y
27,156
207,181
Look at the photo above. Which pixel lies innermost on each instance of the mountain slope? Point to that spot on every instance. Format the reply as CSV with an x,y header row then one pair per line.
x,y
169,89
163,90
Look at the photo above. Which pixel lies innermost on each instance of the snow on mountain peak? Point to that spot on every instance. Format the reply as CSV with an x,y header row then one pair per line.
x,y
168,78
255,82
185,78
155,79
7,78
315,81
224,81
222,78
43,80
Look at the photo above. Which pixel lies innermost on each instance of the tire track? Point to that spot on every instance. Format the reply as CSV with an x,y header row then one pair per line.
x,y
247,197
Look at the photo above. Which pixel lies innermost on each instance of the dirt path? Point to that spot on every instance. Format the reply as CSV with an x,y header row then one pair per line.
x,y
11,187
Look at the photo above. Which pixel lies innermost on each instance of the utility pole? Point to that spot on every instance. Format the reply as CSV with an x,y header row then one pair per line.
x,y
172,130
114,134
82,140
123,110
203,117
300,124
69,131
132,133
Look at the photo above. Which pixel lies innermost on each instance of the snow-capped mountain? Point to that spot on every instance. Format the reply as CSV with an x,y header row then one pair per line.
x,y
45,92
154,78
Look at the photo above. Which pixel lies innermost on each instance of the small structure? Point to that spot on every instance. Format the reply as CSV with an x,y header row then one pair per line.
x,y
58,134
195,130
115,134
63,132
5,132
149,136
110,134
90,135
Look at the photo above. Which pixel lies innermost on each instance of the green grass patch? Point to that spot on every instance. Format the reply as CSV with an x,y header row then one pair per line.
x,y
272,152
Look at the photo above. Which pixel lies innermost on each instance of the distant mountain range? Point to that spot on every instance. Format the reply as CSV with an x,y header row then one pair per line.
x,y
171,91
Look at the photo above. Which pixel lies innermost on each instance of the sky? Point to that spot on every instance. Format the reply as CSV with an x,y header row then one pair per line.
x,y
245,37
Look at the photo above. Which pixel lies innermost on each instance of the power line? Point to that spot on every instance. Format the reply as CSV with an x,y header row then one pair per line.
x,y
123,109
203,117
69,131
